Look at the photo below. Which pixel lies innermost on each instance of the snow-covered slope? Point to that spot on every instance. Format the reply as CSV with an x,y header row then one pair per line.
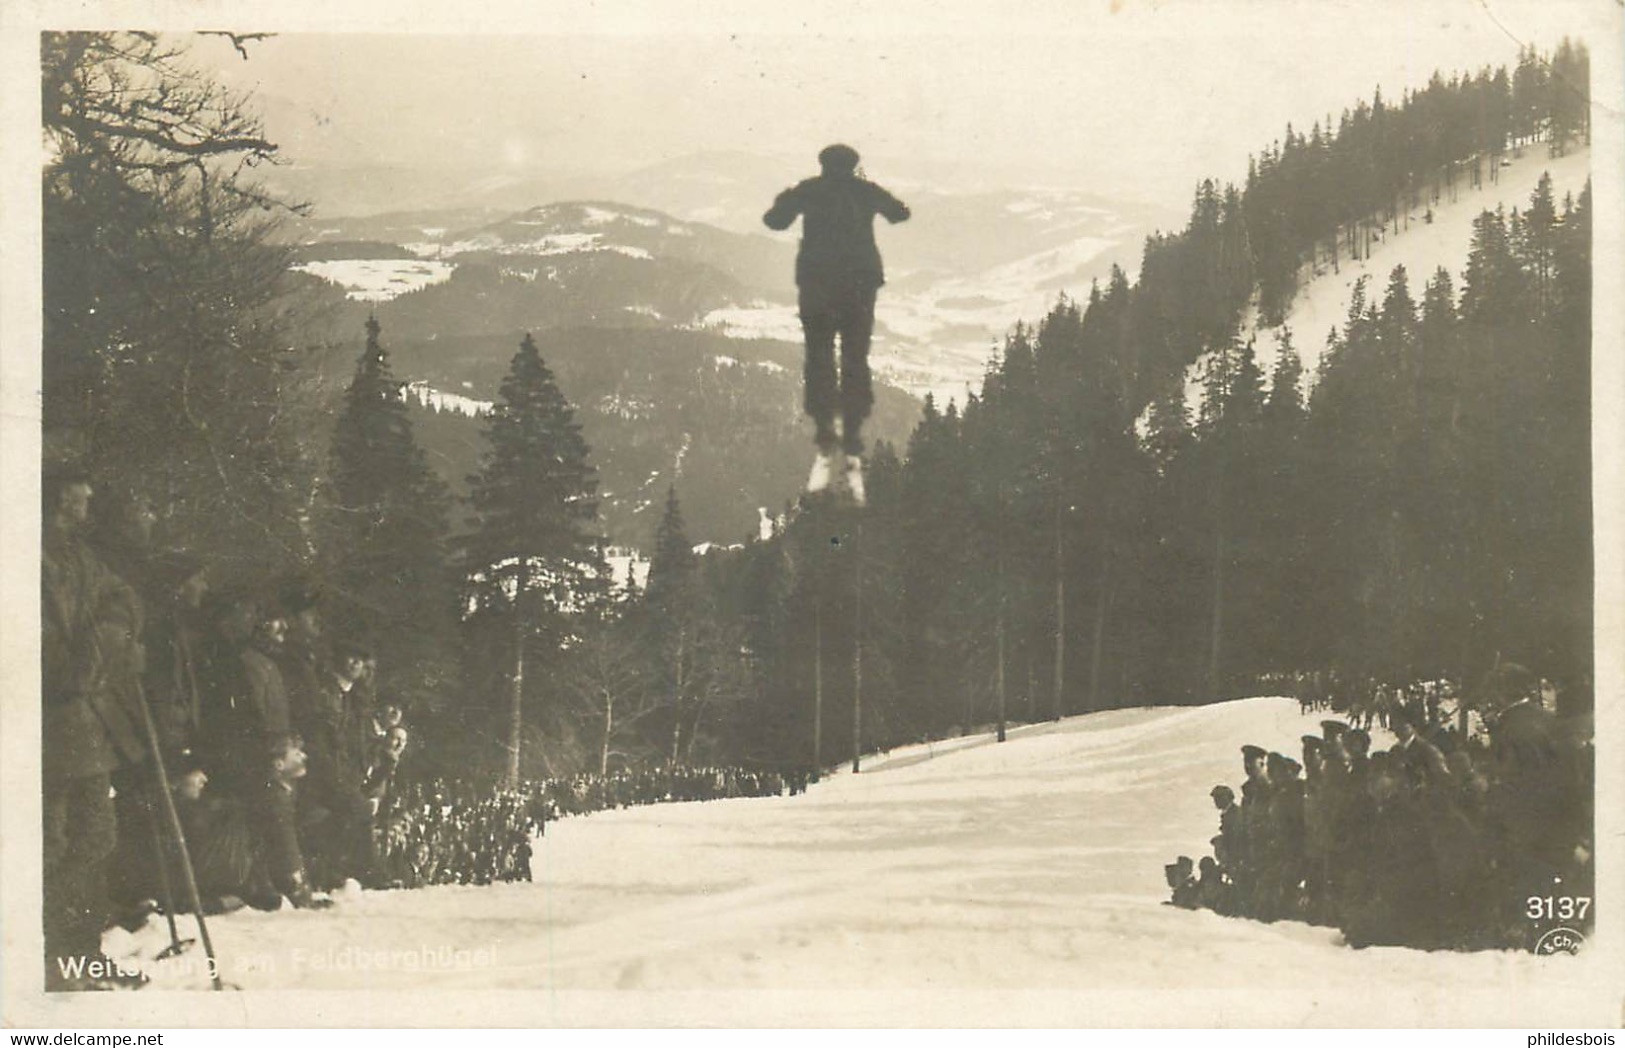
x,y
967,882
1421,248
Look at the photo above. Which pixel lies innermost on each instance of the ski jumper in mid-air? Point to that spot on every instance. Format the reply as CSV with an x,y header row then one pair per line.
x,y
838,272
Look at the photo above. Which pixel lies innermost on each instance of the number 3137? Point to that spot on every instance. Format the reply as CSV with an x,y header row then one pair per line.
x,y
1558,907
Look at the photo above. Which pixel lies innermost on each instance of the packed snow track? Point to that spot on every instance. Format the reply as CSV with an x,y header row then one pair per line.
x,y
960,883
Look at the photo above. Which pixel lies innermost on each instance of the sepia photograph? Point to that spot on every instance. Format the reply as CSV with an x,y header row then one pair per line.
x,y
706,515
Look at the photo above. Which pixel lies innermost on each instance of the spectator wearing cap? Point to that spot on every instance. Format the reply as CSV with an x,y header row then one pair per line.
x,y
223,844
1254,764
334,804
1212,891
265,690
1533,803
1286,821
1319,805
1333,747
1224,799
1523,736
254,706
1181,877
1358,745
1255,829
90,622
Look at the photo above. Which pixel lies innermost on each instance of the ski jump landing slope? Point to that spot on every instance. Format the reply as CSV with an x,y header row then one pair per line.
x,y
963,883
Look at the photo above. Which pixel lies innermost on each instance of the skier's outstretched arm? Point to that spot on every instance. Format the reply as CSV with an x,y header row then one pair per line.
x,y
786,206
889,207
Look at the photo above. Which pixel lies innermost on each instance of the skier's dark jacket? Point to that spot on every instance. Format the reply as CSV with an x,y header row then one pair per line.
x,y
837,231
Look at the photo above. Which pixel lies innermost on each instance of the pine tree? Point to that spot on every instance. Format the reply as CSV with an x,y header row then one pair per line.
x,y
672,566
391,565
1282,523
534,558
1536,241
1434,489
1283,408
678,618
1568,418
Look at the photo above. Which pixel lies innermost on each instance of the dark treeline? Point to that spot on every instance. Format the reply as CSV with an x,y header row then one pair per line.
x,y
1077,537
1055,548
1070,539
1310,201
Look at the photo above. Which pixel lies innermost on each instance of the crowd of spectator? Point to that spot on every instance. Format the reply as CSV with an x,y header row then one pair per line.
x,y
444,832
181,707
1469,832
267,733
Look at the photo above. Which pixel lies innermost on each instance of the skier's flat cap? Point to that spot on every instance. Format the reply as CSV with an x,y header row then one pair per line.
x,y
1252,752
1332,729
838,157
1312,743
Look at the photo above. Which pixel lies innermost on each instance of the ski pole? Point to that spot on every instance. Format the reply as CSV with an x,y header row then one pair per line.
x,y
165,892
189,878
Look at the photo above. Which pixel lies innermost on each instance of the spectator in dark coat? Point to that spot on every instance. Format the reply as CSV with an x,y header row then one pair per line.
x,y
281,854
228,740
91,659
335,808
1421,761
176,638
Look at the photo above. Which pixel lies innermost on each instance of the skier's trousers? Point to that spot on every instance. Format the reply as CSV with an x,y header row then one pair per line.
x,y
828,310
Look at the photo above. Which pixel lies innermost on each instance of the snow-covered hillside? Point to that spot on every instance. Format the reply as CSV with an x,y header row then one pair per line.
x,y
963,271
960,883
378,279
1421,248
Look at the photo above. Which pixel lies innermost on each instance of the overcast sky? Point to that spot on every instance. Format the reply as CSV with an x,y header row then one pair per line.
x,y
1129,97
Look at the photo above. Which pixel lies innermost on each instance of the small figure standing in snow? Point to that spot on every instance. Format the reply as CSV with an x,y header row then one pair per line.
x,y
838,272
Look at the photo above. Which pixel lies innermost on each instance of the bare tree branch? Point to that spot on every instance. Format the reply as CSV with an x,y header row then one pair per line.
x,y
238,40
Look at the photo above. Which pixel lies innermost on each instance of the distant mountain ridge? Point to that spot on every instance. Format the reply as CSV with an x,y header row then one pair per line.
x,y
962,272
677,338
590,226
